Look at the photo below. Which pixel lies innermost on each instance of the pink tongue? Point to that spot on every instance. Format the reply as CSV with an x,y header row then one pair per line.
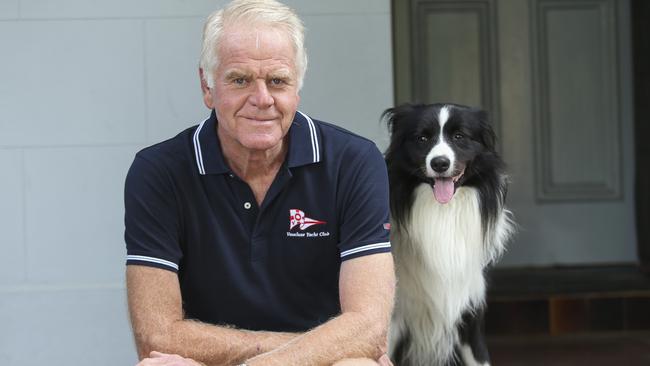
x,y
443,190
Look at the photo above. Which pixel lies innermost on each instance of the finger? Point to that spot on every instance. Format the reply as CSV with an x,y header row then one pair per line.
x,y
149,362
356,362
158,359
155,354
385,361
166,359
163,361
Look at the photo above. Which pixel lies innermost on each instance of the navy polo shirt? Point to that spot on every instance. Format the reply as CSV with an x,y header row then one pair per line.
x,y
269,267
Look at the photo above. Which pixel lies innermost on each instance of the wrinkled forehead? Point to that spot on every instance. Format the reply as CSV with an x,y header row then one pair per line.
x,y
254,37
253,32
264,46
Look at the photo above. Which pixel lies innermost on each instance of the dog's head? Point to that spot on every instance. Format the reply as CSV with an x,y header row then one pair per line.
x,y
443,145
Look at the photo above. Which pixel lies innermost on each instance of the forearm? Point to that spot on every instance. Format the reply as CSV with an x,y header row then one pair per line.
x,y
367,288
212,345
350,335
159,325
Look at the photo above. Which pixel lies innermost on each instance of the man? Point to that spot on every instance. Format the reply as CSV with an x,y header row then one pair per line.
x,y
259,237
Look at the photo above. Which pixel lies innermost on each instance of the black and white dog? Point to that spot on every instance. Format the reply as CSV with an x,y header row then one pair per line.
x,y
447,193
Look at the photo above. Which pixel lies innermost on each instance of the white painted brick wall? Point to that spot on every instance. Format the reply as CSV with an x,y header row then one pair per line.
x,y
83,86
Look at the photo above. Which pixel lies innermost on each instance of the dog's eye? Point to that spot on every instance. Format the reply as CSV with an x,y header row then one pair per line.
x,y
422,138
459,136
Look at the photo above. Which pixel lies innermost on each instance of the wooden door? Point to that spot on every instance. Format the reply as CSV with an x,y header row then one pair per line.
x,y
556,77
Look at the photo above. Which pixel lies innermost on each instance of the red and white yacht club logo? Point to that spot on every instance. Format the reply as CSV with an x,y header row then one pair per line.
x,y
297,218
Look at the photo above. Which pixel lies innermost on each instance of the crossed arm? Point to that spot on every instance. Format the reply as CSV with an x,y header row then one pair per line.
x,y
366,290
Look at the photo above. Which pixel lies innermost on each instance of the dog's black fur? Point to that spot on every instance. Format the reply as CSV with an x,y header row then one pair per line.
x,y
449,222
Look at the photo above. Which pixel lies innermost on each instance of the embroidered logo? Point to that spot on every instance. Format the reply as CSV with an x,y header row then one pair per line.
x,y
298,218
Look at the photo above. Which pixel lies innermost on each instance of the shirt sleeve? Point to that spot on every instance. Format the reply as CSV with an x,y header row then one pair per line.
x,y
365,227
151,217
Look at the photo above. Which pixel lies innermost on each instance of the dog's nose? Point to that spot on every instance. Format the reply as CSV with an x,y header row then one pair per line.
x,y
440,164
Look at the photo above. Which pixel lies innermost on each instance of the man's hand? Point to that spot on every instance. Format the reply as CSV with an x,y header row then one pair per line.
x,y
383,361
163,359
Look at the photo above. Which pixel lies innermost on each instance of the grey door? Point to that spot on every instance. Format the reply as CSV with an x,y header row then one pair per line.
x,y
556,77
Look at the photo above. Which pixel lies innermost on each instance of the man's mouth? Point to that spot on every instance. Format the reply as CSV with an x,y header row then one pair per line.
x,y
445,187
260,119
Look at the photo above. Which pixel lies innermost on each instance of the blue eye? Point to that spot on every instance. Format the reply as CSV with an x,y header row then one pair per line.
x,y
277,81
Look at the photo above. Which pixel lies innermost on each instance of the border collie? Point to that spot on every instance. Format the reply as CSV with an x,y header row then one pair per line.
x,y
447,194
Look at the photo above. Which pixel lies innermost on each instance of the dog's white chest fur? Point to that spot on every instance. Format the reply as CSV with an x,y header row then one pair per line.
x,y
441,256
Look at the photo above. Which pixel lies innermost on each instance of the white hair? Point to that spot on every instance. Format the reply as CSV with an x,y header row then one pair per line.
x,y
252,12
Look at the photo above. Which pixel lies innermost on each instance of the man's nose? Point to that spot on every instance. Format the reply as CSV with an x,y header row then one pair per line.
x,y
261,96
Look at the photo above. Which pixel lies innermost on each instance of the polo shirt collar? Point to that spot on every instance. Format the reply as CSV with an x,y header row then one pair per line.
x,y
304,142
304,145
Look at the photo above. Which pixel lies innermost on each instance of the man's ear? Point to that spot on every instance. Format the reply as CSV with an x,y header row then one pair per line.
x,y
206,91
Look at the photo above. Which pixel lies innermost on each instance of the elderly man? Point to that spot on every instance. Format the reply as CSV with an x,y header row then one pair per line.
x,y
260,236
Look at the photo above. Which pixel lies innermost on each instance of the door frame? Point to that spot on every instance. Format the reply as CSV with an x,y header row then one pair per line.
x,y
640,10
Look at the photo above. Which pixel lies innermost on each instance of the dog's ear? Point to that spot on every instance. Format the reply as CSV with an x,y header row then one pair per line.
x,y
488,137
394,116
391,116
388,115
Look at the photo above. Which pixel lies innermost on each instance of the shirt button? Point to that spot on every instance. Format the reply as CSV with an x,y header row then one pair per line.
x,y
247,205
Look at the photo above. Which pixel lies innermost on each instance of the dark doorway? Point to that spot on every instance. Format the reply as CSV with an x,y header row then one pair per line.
x,y
641,51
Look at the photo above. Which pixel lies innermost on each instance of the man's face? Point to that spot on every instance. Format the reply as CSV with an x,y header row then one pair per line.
x,y
255,91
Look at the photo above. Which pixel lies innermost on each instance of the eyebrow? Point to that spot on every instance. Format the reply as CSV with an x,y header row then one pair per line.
x,y
236,74
282,74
